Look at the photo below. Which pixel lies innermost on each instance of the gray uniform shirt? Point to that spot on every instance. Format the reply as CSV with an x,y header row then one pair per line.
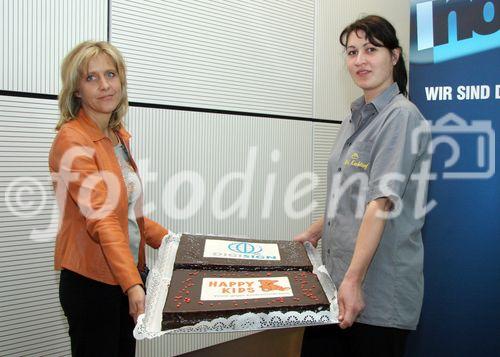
x,y
374,157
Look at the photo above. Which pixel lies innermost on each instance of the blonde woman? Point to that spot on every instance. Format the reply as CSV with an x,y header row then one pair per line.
x,y
101,237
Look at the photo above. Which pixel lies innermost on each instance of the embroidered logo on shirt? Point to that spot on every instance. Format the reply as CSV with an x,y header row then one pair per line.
x,y
354,161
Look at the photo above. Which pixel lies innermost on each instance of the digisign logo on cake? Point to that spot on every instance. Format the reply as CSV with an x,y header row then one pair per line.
x,y
245,248
215,248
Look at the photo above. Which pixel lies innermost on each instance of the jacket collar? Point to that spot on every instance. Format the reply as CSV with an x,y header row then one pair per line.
x,y
124,134
93,131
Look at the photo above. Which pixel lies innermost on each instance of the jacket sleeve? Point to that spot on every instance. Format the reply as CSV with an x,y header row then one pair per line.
x,y
96,192
153,233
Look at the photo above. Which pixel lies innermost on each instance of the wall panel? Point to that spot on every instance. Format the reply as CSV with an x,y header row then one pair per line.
x,y
253,56
36,34
214,146
324,136
334,89
31,320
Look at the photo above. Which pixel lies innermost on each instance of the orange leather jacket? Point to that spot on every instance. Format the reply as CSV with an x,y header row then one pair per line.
x,y
93,231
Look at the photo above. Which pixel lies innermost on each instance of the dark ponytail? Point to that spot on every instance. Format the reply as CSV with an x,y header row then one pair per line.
x,y
380,33
400,75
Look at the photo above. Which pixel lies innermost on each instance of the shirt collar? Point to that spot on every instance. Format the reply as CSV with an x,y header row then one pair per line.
x,y
385,97
380,101
357,104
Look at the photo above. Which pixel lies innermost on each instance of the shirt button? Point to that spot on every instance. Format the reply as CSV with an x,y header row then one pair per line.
x,y
349,144
328,223
339,169
328,251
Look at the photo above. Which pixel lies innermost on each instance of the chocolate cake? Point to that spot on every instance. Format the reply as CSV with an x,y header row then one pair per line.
x,y
213,253
202,295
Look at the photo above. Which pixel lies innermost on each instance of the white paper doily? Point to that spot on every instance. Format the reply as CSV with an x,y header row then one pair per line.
x,y
158,282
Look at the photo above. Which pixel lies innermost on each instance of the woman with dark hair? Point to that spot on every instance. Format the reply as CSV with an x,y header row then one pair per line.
x,y
102,232
377,180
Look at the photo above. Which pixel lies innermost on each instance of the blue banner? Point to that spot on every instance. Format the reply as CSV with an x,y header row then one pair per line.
x,y
455,82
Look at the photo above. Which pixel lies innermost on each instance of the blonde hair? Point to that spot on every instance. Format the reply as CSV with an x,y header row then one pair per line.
x,y
74,67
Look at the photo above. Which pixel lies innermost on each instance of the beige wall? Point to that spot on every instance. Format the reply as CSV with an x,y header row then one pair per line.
x,y
333,88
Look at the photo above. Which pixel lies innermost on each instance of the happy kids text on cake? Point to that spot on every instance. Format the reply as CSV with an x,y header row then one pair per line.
x,y
245,288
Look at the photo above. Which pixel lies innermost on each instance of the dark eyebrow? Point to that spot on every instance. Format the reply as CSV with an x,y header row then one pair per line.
x,y
364,45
